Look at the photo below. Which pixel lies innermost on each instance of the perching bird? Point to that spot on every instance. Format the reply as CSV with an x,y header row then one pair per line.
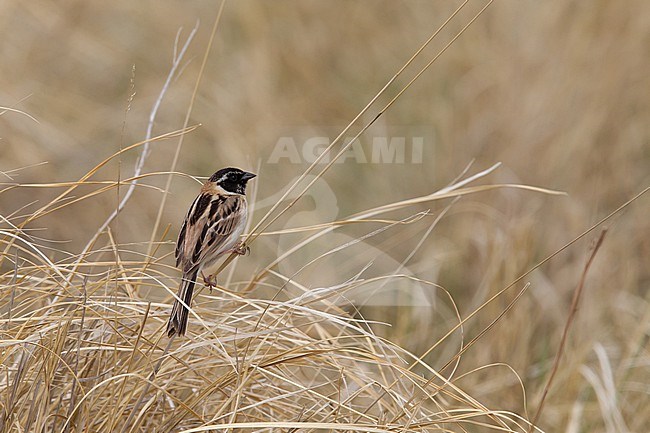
x,y
211,228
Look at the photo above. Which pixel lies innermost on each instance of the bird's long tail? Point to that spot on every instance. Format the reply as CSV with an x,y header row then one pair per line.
x,y
178,318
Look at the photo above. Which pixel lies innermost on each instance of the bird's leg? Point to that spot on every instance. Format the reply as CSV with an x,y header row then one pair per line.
x,y
240,249
210,281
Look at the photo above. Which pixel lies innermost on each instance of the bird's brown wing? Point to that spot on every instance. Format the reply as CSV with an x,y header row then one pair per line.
x,y
212,225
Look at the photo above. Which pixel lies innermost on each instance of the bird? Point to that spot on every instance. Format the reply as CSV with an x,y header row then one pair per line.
x,y
212,227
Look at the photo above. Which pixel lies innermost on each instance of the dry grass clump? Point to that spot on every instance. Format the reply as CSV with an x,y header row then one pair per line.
x,y
83,350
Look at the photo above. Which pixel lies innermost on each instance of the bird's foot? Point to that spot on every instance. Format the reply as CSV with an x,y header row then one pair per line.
x,y
241,249
210,281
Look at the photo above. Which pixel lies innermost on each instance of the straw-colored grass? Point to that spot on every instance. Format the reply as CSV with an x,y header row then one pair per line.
x,y
377,297
83,350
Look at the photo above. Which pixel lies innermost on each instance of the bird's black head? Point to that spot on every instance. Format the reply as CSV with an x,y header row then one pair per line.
x,y
232,179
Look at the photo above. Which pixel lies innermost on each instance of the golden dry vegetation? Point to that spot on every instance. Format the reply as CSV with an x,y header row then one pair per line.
x,y
358,309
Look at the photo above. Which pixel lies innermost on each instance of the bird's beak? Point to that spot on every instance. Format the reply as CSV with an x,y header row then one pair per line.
x,y
247,176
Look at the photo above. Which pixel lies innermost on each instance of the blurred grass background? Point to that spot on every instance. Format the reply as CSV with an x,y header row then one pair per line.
x,y
556,91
